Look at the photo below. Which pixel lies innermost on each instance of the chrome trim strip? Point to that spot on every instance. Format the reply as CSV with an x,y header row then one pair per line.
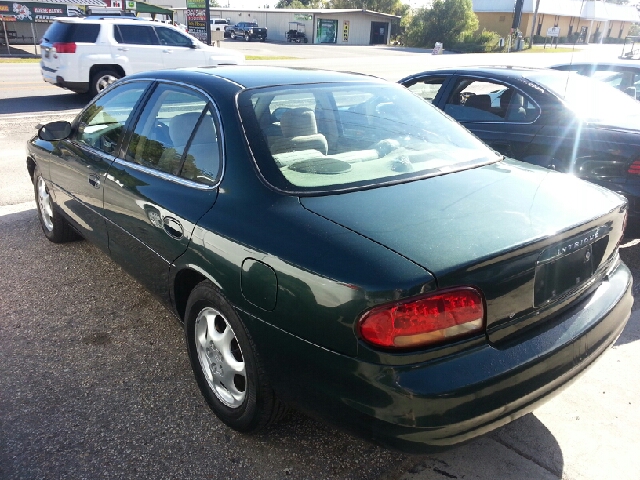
x,y
165,176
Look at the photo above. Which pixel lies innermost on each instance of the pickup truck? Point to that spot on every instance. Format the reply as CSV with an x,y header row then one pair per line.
x,y
246,30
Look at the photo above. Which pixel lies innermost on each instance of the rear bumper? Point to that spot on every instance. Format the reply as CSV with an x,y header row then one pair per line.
x,y
437,404
54,77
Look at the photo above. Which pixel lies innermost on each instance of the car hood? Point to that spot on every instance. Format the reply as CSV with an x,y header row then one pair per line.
x,y
452,221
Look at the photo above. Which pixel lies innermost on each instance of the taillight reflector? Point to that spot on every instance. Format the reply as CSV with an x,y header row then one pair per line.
x,y
426,320
634,168
65,47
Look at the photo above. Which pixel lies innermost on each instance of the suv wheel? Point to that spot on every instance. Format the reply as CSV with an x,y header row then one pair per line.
x,y
233,35
101,80
247,38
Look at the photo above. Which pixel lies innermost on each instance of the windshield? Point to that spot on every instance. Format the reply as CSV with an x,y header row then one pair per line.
x,y
328,137
592,100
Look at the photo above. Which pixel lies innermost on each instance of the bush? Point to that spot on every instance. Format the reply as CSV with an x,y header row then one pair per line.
x,y
478,42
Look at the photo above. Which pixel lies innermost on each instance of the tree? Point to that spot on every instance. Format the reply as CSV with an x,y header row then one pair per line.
x,y
298,4
446,21
393,7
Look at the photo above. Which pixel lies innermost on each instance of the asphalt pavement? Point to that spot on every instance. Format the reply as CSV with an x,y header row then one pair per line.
x,y
95,381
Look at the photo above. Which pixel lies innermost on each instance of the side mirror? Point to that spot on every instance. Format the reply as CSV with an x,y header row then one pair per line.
x,y
630,91
54,131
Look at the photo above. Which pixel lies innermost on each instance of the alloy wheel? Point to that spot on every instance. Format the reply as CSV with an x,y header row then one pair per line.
x,y
46,207
104,81
220,357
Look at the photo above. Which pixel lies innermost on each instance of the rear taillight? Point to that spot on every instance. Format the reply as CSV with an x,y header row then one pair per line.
x,y
634,168
65,47
426,320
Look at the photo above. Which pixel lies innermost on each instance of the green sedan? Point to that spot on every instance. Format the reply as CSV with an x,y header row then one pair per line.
x,y
332,242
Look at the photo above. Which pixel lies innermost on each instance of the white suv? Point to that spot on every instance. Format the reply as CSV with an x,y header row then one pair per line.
x,y
87,55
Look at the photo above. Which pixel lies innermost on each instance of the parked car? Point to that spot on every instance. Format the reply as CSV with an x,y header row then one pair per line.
x,y
624,76
87,55
558,120
334,243
247,31
218,24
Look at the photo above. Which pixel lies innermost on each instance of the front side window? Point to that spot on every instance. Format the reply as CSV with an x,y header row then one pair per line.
x,y
172,38
178,134
135,34
102,124
486,101
328,137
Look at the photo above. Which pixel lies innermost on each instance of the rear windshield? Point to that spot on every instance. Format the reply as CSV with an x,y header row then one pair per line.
x,y
330,137
592,100
72,32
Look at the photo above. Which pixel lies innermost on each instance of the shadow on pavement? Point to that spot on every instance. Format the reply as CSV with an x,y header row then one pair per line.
x,y
523,450
37,104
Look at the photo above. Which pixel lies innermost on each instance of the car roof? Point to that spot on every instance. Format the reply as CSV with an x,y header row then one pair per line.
x,y
497,72
107,19
607,63
254,76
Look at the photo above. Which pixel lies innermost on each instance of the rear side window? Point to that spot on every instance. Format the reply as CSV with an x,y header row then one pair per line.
x,y
72,32
135,34
427,89
177,134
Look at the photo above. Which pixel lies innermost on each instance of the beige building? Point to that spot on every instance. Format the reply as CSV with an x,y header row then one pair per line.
x,y
341,27
591,20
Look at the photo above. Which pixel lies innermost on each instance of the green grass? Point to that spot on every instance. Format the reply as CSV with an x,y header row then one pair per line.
x,y
267,57
19,60
549,49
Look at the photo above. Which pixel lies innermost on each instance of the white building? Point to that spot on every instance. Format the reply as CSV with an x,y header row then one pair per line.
x,y
341,27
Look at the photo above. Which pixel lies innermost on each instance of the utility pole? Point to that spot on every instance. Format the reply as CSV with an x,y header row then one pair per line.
x,y
533,23
515,25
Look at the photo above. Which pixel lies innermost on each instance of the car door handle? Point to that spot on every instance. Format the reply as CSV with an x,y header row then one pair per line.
x,y
172,227
94,180
123,49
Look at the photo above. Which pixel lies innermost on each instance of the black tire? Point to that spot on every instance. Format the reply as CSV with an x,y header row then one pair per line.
x,y
262,39
232,35
247,37
101,80
306,40
54,226
250,405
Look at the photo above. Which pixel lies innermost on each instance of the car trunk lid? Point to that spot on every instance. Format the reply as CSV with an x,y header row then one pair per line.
x,y
531,239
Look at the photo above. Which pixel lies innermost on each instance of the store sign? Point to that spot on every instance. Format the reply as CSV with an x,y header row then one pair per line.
x,y
131,6
31,12
345,31
197,19
302,16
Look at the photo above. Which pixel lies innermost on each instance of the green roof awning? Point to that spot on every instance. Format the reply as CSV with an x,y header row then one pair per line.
x,y
142,7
